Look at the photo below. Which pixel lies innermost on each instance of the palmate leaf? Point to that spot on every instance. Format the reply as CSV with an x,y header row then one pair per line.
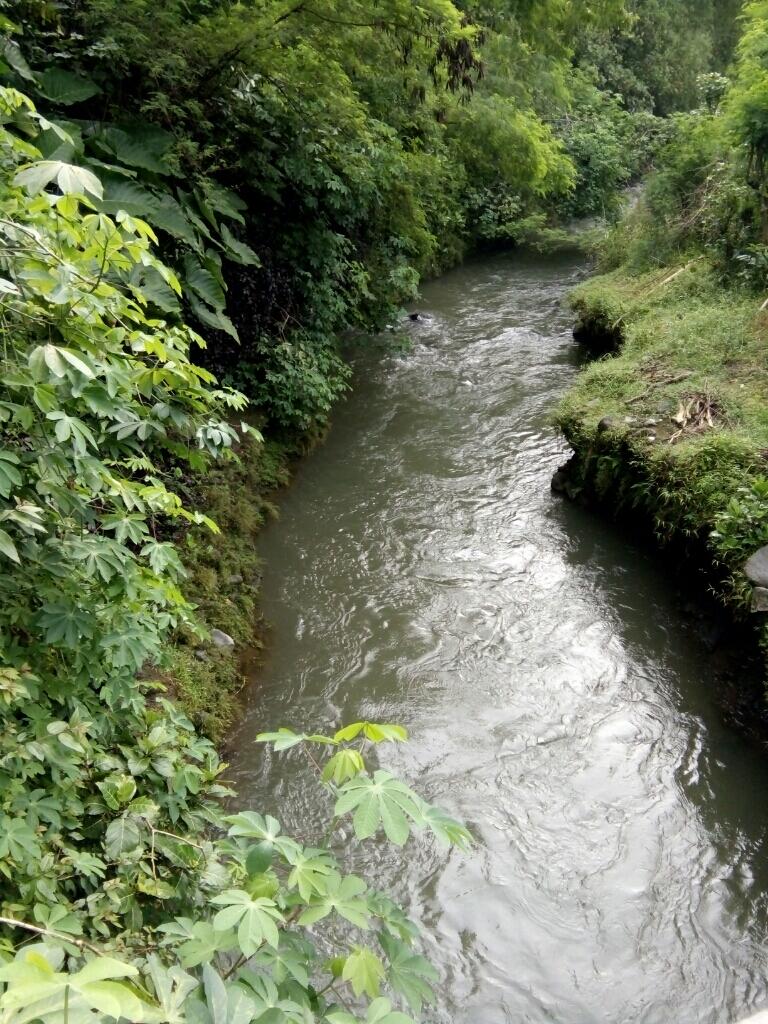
x,y
310,871
408,973
251,825
379,802
379,1012
364,972
64,623
342,895
345,764
31,978
255,919
284,739
373,731
446,828
71,179
290,960
17,840
203,941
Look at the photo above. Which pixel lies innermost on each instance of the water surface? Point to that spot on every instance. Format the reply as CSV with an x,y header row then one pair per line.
x,y
422,573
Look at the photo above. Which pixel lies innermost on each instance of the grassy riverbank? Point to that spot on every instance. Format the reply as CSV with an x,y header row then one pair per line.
x,y
673,422
224,579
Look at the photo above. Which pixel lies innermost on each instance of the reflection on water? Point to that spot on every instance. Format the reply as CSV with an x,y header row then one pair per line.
x,y
422,573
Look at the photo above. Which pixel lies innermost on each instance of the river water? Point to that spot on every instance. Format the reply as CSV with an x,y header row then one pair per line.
x,y
422,573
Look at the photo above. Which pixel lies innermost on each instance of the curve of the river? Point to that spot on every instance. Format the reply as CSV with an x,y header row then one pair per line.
x,y
422,573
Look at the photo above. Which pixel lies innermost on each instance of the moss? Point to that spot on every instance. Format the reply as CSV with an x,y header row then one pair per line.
x,y
224,576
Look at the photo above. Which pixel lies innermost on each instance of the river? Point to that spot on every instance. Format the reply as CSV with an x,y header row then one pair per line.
x,y
421,572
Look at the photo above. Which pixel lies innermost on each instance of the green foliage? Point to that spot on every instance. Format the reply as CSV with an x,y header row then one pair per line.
x,y
253,950
304,168
114,848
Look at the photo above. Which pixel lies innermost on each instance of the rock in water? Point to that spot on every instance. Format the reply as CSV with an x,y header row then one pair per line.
x,y
760,599
756,569
222,639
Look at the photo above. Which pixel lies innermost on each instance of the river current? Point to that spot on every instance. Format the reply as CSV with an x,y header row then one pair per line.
x,y
421,572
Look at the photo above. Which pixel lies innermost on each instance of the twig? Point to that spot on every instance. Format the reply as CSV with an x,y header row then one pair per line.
x,y
80,943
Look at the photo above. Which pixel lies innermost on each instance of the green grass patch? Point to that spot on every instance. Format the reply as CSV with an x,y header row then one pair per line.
x,y
675,423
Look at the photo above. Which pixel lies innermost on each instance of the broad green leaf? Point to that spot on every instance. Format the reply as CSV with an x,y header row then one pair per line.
x,y
122,839
310,869
376,733
342,895
70,178
204,284
283,739
345,764
238,250
364,972
379,802
255,919
380,1012
65,87
446,828
408,973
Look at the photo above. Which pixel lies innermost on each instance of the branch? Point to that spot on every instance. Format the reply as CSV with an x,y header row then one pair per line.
x,y
80,943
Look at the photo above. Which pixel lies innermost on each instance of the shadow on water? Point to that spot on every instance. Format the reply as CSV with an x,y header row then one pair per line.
x,y
421,572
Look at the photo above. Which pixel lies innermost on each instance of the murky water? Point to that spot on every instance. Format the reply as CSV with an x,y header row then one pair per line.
x,y
422,573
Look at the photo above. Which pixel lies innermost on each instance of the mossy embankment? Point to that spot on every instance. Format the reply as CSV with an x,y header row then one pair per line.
x,y
671,425
224,579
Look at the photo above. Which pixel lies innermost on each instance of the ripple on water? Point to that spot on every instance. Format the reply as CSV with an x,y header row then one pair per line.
x,y
421,572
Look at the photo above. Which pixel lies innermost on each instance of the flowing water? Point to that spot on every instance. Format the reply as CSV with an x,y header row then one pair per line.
x,y
422,573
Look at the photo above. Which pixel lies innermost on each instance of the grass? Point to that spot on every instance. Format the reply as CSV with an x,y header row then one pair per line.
x,y
675,423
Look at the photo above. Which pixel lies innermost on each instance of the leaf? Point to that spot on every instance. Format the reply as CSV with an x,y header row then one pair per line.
x,y
71,179
17,840
380,1012
122,838
204,943
8,548
215,995
364,972
446,828
345,764
372,731
283,739
203,283
10,477
259,858
140,145
241,252
77,362
225,202
212,318
408,973
379,802
254,919
13,56
310,868
65,87
342,895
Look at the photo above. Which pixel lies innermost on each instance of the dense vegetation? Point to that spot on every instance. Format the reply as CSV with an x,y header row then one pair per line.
x,y
195,199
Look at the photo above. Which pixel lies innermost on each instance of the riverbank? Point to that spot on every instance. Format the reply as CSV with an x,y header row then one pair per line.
x,y
671,425
204,676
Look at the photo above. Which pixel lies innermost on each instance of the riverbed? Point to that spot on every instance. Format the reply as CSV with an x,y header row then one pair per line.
x,y
421,572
